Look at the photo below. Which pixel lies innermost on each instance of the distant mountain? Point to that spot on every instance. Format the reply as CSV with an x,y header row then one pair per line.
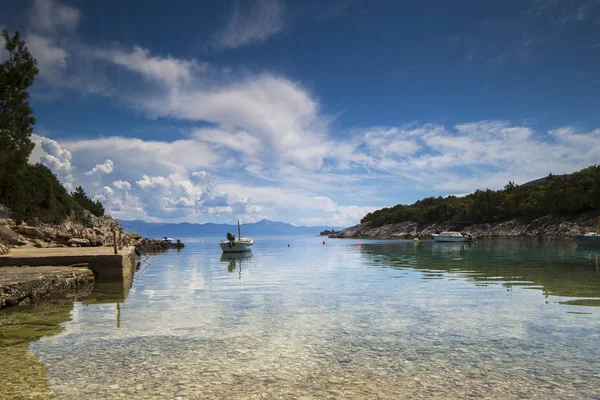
x,y
184,229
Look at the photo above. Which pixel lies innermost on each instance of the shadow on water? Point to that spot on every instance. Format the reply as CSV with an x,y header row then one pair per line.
x,y
234,261
555,268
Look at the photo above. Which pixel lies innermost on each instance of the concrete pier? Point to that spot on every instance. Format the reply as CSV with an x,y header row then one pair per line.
x,y
101,260
112,273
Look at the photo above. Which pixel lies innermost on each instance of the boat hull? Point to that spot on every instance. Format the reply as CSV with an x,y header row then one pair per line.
x,y
235,247
451,239
587,240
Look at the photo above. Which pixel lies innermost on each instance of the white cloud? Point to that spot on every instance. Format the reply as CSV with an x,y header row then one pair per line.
x,y
105,168
122,185
154,182
246,27
103,194
50,16
55,157
51,59
168,70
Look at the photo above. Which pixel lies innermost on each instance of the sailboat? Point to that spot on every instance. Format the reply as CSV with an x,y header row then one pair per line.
x,y
236,245
588,239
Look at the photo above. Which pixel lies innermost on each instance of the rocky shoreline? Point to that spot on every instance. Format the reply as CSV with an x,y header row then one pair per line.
x,y
548,227
24,284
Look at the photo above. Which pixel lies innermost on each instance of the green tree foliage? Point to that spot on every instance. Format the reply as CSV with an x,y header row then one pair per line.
x,y
30,191
35,192
81,198
16,117
559,195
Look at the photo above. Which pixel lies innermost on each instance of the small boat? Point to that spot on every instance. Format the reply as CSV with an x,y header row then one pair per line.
x,y
169,240
236,245
452,237
588,239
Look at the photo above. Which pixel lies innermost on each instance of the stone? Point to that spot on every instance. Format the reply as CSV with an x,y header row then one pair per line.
x,y
79,242
7,236
30,231
4,250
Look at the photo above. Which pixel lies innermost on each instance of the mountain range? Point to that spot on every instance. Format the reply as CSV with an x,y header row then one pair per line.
x,y
185,229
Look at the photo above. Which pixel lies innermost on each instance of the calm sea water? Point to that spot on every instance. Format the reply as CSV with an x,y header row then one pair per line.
x,y
495,319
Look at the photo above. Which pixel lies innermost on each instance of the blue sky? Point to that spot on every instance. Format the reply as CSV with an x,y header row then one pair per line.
x,y
312,112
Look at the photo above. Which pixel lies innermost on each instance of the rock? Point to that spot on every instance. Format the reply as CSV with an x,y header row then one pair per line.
x,y
7,236
30,231
4,250
79,242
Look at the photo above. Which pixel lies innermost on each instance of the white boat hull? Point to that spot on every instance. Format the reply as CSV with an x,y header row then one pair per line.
x,y
237,246
450,239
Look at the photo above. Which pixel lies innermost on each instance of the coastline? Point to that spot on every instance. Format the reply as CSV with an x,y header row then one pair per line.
x,y
41,261
547,227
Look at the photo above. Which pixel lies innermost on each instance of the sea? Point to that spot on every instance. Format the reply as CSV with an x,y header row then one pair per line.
x,y
318,318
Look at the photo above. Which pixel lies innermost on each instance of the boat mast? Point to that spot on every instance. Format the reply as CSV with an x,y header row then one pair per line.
x,y
240,235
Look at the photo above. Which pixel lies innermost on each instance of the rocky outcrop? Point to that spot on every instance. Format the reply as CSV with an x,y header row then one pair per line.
x,y
87,230
548,227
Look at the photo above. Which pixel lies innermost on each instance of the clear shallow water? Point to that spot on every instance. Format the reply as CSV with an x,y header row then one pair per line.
x,y
381,320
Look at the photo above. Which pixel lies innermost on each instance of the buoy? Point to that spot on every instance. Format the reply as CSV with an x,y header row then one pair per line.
x,y
324,242
416,239
288,245
358,244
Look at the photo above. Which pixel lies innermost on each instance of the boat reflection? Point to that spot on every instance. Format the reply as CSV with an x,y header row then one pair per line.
x,y
235,260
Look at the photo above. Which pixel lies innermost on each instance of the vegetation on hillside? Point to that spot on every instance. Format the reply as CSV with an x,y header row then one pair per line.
x,y
81,198
559,195
30,191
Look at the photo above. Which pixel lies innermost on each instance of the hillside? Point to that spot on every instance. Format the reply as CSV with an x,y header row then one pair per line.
x,y
554,206
182,230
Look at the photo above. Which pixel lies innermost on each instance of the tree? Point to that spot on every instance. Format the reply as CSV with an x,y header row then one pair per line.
x,y
17,74
81,198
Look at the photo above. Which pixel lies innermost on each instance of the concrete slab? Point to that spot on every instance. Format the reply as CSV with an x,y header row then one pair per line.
x,y
107,266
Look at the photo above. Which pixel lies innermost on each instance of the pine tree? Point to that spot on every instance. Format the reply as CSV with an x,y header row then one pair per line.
x,y
17,74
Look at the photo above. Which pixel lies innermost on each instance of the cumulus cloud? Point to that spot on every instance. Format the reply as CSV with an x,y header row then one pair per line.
x,y
103,194
105,168
122,185
246,27
57,158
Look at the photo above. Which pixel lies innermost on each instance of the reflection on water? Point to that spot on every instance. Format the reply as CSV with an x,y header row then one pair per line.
x,y
384,320
555,268
234,261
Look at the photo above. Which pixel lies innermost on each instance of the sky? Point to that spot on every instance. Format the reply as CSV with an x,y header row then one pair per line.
x,y
312,112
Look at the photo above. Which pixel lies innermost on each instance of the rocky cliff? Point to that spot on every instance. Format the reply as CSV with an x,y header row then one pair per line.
x,y
548,227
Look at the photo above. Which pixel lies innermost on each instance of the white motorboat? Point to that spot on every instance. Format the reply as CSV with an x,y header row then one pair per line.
x,y
451,236
236,245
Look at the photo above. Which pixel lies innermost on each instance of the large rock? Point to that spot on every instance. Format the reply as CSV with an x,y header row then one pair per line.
x,y
7,236
79,242
30,231
4,250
